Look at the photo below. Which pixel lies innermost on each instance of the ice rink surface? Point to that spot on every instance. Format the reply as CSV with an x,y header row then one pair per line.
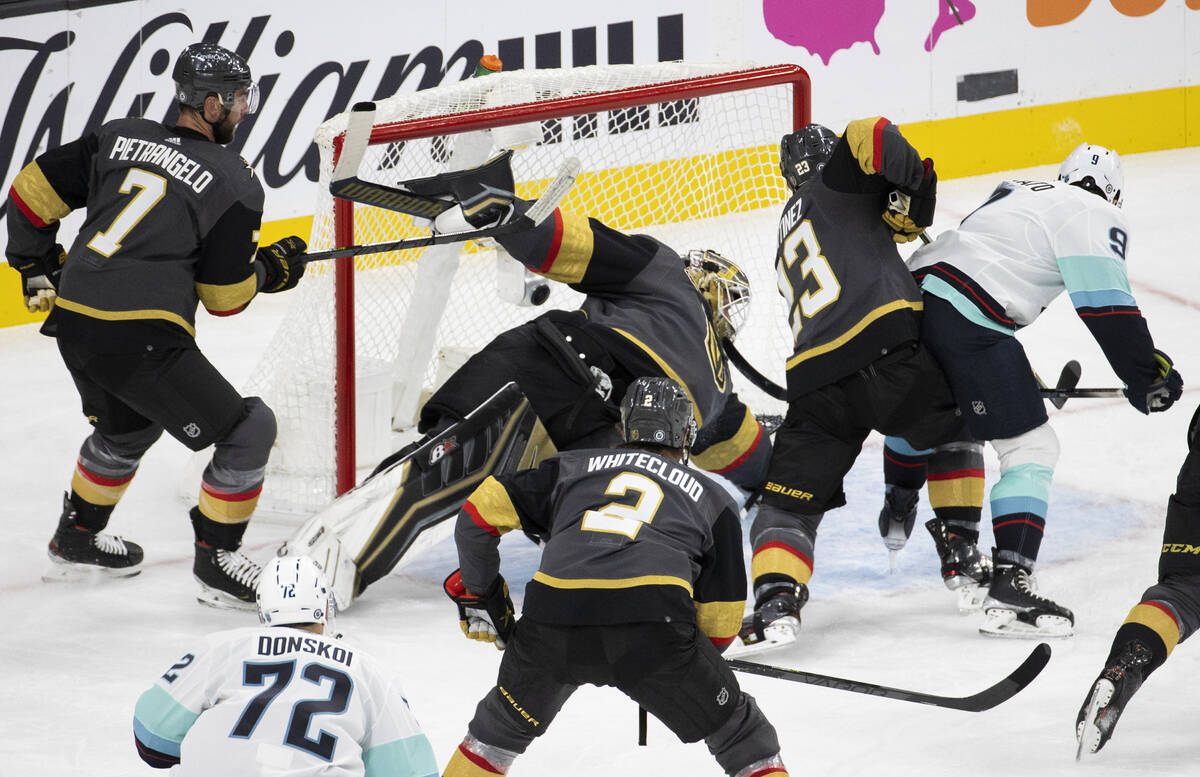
x,y
77,658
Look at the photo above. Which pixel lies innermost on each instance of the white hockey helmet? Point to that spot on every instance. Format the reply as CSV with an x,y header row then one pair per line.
x,y
1096,169
292,589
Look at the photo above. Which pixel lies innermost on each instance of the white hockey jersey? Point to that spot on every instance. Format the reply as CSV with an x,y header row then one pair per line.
x,y
1023,247
283,702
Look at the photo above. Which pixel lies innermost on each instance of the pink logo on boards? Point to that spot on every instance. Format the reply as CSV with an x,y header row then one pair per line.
x,y
821,28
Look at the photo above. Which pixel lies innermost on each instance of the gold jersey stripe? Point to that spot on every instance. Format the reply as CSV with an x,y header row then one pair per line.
x,y
718,457
494,505
126,315
574,249
38,195
720,620
620,582
853,331
666,368
223,297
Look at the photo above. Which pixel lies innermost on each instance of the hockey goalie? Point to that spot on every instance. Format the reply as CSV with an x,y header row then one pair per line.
x,y
552,383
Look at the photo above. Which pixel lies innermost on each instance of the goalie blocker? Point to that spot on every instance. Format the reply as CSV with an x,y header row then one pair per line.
x,y
362,535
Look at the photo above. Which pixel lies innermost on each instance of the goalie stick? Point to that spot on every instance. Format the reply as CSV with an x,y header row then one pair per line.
x,y
1002,691
358,132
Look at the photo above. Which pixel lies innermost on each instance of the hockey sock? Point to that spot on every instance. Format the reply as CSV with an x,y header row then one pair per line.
x,y
903,465
956,488
1019,512
1152,623
82,513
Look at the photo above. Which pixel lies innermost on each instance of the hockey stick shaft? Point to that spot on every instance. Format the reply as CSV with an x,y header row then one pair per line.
x,y
1084,393
984,700
768,386
537,213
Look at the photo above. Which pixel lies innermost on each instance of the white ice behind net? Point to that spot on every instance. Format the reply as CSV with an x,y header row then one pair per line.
x,y
696,173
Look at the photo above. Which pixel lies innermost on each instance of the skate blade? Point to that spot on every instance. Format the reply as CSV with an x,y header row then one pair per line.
x,y
1087,732
780,633
61,571
218,599
1003,623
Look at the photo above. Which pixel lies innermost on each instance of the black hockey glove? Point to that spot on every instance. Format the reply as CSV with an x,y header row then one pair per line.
x,y
1161,394
41,289
283,262
908,213
487,618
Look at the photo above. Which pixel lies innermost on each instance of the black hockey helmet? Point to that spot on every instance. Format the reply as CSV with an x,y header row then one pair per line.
x,y
804,152
657,410
206,68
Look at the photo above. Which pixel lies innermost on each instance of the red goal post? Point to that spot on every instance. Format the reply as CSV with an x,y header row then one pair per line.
x,y
686,152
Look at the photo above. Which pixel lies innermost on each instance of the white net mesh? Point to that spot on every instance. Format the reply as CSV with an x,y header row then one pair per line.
x,y
700,172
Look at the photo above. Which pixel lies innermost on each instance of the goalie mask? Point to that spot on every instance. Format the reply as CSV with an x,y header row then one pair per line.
x,y
206,68
291,590
1096,169
724,287
657,410
803,153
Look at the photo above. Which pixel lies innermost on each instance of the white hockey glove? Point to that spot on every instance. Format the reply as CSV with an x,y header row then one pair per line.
x,y
488,617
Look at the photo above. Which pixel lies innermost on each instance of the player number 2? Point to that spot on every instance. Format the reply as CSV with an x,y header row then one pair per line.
x,y
151,189
802,241
617,518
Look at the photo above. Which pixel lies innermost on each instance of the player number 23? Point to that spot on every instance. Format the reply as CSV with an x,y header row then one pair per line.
x,y
802,242
617,518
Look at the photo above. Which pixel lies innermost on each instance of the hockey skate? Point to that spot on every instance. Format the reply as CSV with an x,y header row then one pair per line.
x,y
227,578
965,570
1107,699
1013,609
775,621
896,519
77,554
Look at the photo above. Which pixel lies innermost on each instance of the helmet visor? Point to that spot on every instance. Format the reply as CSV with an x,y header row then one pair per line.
x,y
246,98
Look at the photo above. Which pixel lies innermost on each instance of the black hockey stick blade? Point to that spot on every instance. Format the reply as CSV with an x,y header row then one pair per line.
x,y
984,700
1068,379
768,386
389,197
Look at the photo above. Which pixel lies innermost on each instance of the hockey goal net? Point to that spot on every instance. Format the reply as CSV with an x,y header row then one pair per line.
x,y
685,152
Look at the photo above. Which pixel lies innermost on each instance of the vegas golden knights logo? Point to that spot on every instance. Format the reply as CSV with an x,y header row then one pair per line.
x,y
716,359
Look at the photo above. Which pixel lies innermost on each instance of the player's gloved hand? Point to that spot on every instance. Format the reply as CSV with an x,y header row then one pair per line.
x,y
1161,394
40,291
488,617
284,264
908,213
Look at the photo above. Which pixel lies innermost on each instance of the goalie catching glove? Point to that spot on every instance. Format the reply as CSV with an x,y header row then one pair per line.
x,y
910,212
1161,394
488,617
283,264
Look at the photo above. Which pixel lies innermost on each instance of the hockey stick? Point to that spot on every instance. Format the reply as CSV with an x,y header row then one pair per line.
x,y
768,386
1068,379
1084,393
537,213
984,700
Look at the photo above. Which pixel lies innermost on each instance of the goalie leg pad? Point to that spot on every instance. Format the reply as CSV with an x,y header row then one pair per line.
x,y
501,435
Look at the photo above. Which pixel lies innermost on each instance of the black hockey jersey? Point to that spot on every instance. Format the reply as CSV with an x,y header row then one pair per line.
x,y
850,296
172,220
644,311
629,537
